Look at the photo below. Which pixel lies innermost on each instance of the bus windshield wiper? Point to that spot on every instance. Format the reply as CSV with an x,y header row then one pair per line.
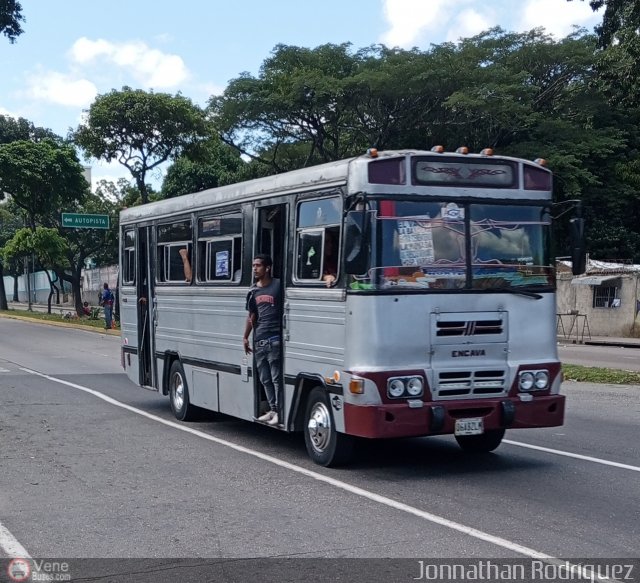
x,y
513,290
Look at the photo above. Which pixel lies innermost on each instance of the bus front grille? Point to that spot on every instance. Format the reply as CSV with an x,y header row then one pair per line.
x,y
468,328
476,383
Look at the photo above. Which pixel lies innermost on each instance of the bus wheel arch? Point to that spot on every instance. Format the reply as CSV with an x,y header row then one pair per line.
x,y
179,393
325,445
168,359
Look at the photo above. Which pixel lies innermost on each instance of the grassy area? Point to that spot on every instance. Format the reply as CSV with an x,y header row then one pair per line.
x,y
56,316
588,374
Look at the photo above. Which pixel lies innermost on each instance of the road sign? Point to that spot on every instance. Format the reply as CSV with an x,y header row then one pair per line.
x,y
79,221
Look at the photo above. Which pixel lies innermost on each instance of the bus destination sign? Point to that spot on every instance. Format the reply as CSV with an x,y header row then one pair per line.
x,y
80,221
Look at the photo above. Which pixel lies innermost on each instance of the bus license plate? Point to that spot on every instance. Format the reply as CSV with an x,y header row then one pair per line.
x,y
469,427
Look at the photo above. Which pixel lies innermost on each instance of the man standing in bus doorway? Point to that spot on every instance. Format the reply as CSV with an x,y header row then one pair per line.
x,y
264,304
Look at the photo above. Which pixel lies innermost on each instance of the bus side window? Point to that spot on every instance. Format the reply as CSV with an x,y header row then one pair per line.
x,y
179,268
220,249
129,258
174,252
309,255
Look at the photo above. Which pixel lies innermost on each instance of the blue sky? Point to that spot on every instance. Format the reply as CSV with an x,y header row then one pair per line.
x,y
73,50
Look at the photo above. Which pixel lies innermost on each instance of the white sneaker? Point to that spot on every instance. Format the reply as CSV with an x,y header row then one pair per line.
x,y
266,417
273,420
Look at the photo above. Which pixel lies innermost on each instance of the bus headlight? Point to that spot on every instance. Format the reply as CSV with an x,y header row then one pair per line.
x,y
395,388
415,386
526,381
542,380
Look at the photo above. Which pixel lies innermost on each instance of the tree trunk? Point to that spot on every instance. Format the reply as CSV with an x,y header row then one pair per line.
x,y
16,297
77,296
74,279
3,293
46,271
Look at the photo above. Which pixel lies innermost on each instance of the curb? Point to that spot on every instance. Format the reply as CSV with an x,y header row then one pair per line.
x,y
605,343
115,332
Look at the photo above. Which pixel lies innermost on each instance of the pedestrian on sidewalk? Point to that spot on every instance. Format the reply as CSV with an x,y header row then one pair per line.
x,y
106,301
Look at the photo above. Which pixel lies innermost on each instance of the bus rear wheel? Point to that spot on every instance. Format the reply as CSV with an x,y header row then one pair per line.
x,y
179,394
325,445
484,443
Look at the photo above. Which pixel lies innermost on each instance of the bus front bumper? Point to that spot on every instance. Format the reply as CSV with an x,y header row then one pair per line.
x,y
439,417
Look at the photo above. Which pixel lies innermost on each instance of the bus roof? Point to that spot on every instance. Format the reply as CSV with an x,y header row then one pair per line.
x,y
323,176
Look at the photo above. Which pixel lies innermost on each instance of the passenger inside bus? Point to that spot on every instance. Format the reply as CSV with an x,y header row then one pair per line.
x,y
186,264
330,265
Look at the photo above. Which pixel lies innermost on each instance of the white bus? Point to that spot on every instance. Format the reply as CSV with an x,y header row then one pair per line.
x,y
441,318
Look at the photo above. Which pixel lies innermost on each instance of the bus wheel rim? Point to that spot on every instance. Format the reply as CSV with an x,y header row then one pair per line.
x,y
178,392
319,427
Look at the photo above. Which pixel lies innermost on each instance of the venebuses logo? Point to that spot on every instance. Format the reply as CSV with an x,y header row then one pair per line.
x,y
19,570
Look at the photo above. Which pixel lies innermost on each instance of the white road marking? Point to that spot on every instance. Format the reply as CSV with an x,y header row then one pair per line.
x,y
372,496
576,456
4,370
10,545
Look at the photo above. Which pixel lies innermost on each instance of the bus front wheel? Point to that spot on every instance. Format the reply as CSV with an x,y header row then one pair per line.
x,y
179,394
484,443
325,445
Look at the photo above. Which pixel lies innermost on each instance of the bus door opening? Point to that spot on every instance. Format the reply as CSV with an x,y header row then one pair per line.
x,y
271,240
145,295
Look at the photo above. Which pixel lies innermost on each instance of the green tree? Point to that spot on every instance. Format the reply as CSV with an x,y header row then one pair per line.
x,y
524,94
141,130
43,243
10,222
16,129
10,19
298,99
41,177
618,61
215,164
12,130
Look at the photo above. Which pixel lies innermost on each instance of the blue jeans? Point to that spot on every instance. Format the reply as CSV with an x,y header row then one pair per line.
x,y
268,363
108,315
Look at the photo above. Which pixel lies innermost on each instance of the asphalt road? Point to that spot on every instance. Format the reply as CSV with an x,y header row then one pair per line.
x,y
93,466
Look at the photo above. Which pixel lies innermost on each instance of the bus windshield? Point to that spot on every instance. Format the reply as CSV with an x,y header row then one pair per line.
x,y
447,245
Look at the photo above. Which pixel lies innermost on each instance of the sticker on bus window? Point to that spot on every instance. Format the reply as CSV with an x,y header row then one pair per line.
x,y
222,264
452,212
415,241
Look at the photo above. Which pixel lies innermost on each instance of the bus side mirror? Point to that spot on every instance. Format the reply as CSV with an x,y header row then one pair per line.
x,y
356,258
578,250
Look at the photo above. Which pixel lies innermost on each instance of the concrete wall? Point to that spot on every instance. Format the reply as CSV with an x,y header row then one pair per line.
x,y
90,285
578,300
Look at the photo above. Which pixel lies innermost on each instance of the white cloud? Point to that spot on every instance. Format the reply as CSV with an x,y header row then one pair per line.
x,y
412,21
468,23
408,19
8,113
150,67
558,18
61,89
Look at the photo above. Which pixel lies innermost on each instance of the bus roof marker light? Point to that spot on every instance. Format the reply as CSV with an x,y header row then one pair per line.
x,y
372,152
487,152
438,149
540,161
462,150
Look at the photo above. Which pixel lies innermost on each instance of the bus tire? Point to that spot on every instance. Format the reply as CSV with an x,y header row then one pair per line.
x,y
484,443
179,394
325,445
